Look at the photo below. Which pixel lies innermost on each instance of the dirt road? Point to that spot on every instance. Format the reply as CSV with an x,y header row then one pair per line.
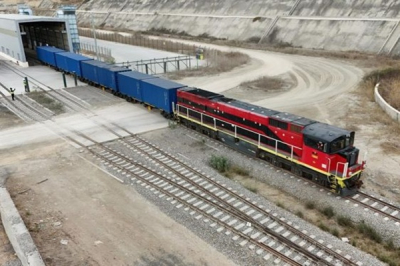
x,y
81,216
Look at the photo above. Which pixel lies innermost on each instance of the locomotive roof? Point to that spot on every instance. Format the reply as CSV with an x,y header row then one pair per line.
x,y
247,106
293,119
203,93
324,132
286,117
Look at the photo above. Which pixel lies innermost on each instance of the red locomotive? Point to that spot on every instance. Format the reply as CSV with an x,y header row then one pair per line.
x,y
320,152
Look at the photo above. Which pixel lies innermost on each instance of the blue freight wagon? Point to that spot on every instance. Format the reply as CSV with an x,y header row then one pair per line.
x,y
108,76
46,54
61,62
90,70
130,84
160,93
70,62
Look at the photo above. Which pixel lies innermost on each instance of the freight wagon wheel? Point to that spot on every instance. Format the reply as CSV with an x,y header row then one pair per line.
x,y
275,162
260,154
296,170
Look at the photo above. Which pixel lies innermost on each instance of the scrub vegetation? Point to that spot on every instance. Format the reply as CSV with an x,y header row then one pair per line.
x,y
225,167
215,62
270,84
389,87
49,103
358,234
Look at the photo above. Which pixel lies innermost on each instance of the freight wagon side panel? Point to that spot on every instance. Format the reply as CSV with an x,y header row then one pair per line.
x,y
111,81
130,84
46,54
161,93
103,75
61,61
74,63
90,70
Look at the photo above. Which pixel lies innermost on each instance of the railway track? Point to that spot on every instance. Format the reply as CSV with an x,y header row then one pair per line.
x,y
70,101
378,206
23,107
231,209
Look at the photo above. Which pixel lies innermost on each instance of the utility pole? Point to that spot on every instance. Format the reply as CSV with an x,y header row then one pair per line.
x,y
94,36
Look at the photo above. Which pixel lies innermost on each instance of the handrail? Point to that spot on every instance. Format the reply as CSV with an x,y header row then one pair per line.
x,y
235,135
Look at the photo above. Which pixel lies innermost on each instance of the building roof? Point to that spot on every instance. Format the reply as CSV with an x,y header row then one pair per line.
x,y
26,18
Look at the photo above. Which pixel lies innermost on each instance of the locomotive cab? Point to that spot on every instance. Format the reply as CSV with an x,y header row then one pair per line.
x,y
337,156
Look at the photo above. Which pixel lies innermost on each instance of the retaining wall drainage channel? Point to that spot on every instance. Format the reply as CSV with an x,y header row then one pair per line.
x,y
393,113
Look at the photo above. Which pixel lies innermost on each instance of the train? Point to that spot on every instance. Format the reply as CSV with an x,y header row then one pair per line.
x,y
322,153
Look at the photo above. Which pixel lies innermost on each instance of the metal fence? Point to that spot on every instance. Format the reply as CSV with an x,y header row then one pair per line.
x,y
103,53
161,65
140,40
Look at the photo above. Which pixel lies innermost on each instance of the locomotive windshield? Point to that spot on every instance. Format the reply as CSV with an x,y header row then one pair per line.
x,y
341,143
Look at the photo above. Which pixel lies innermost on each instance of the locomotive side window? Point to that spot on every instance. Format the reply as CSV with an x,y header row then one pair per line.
x,y
338,144
310,142
277,123
319,145
295,128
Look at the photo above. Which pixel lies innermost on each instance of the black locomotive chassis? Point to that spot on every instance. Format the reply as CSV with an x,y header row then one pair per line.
x,y
250,149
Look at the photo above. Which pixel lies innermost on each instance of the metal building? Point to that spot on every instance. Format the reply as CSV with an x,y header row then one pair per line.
x,y
24,10
20,34
69,13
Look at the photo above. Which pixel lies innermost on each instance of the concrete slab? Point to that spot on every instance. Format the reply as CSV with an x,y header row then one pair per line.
x,y
136,53
134,118
44,74
121,54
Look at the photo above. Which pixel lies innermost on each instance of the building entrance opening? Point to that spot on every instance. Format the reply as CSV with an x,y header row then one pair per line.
x,y
42,34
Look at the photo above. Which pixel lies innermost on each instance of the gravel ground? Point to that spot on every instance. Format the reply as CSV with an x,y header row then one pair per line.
x,y
94,96
189,147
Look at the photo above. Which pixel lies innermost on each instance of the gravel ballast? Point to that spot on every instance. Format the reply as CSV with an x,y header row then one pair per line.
x,y
190,147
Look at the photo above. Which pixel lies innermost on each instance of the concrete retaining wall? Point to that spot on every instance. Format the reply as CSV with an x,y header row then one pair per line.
x,y
250,21
336,25
337,35
328,34
17,232
207,7
346,8
393,113
239,28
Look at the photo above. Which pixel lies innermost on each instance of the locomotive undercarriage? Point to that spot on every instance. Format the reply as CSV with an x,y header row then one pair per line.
x,y
278,161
